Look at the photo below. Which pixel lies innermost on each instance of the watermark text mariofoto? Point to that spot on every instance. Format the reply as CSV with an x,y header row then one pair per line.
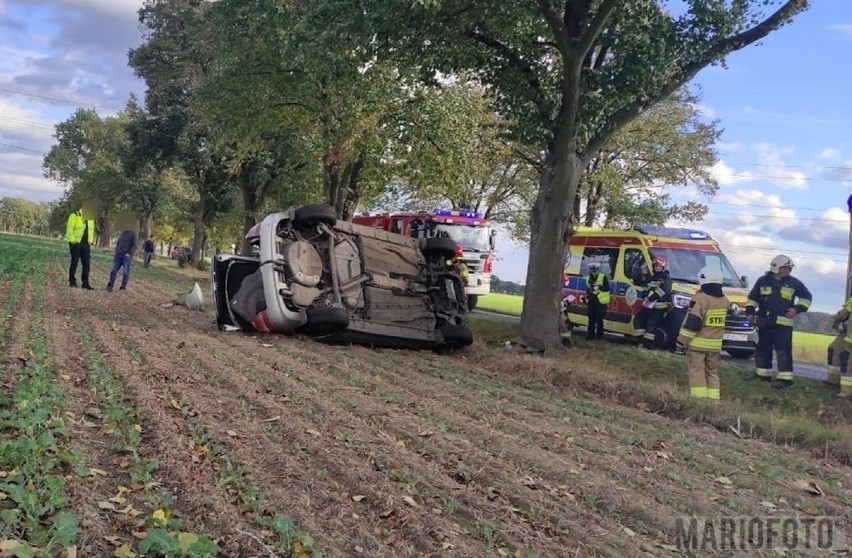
x,y
750,533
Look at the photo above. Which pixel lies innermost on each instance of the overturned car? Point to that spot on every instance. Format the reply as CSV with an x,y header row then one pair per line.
x,y
338,281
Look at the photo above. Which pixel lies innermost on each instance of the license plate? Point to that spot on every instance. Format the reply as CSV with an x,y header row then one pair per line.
x,y
735,337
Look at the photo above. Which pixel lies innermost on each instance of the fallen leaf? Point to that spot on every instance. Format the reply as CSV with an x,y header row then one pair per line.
x,y
529,483
724,480
427,433
410,501
232,434
97,472
400,443
70,552
630,532
106,505
137,427
314,433
663,454
647,469
358,497
124,552
809,487
767,505
159,515
385,514
66,377
714,498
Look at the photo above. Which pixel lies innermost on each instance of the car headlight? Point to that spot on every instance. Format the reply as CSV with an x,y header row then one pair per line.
x,y
681,301
735,309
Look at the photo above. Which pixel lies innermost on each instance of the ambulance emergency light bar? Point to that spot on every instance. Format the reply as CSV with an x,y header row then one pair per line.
x,y
450,213
672,232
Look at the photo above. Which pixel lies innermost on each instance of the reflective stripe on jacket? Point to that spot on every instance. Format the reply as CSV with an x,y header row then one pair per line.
x,y
602,284
704,324
771,298
75,227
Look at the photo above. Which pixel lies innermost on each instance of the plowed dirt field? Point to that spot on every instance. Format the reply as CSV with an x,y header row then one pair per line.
x,y
276,446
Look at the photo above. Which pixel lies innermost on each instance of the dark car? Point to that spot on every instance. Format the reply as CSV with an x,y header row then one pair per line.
x,y
341,282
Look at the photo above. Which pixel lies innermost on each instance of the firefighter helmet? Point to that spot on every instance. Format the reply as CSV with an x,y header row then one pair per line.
x,y
660,261
710,274
780,261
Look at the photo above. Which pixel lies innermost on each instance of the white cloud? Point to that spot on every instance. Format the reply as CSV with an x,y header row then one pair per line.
x,y
769,156
830,153
845,28
725,175
705,111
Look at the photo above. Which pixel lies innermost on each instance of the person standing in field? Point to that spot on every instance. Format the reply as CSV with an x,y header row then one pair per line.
x,y
700,335
80,234
774,301
839,351
149,252
125,246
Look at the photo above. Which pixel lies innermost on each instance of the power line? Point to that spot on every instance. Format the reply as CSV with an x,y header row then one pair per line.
x,y
57,99
26,122
22,148
820,219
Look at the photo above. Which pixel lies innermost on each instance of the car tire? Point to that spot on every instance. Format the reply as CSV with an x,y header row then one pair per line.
x,y
439,246
317,213
471,301
325,321
456,336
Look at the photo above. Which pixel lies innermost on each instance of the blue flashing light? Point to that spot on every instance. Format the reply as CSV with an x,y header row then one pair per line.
x,y
450,213
684,234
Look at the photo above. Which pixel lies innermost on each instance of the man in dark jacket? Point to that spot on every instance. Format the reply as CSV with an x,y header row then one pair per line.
x,y
125,246
657,301
149,252
772,304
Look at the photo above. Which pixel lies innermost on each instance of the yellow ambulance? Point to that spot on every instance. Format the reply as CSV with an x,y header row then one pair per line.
x,y
621,253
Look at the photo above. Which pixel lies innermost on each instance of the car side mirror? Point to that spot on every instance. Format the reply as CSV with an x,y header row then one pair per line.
x,y
493,240
744,279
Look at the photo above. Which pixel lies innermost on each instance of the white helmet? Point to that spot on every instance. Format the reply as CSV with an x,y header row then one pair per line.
x,y
780,261
710,274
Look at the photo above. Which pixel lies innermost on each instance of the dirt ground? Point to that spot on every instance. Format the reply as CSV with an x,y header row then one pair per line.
x,y
382,453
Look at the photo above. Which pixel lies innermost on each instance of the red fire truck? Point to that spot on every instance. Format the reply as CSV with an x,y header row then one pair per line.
x,y
467,228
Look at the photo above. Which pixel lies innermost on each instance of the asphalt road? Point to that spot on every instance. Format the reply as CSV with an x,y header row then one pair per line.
x,y
800,369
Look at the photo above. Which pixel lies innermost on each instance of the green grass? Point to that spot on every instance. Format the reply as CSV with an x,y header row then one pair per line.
x,y
807,415
807,347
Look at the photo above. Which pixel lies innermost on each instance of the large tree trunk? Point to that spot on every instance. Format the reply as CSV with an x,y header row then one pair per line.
x,y
251,205
147,225
198,233
549,232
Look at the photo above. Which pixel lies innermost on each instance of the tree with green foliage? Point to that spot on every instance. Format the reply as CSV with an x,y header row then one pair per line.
x,y
88,160
174,58
571,74
669,148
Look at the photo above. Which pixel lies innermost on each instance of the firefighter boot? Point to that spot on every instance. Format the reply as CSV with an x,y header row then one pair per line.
x,y
845,376
833,365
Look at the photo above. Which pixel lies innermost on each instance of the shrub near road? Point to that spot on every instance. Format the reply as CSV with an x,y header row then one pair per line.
x,y
174,439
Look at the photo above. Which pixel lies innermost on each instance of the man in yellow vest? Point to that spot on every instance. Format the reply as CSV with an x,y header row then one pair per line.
x,y
701,334
597,301
839,351
80,234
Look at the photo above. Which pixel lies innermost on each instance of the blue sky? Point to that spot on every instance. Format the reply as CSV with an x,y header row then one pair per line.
x,y
785,156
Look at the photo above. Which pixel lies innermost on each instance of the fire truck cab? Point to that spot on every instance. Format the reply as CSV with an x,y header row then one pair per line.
x,y
467,228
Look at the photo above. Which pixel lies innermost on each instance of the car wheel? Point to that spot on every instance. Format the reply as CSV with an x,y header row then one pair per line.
x,y
456,336
439,246
318,213
324,321
471,301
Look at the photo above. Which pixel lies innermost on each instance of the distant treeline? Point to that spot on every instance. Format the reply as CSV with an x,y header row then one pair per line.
x,y
506,287
814,322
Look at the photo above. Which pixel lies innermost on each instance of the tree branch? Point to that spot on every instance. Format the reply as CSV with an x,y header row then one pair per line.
x,y
590,34
551,16
715,51
515,60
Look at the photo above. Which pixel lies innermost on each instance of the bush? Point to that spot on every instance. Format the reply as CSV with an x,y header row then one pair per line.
x,y
203,265
184,259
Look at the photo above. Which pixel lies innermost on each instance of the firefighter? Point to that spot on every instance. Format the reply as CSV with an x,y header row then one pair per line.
x,y
657,300
597,301
775,299
701,333
839,351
